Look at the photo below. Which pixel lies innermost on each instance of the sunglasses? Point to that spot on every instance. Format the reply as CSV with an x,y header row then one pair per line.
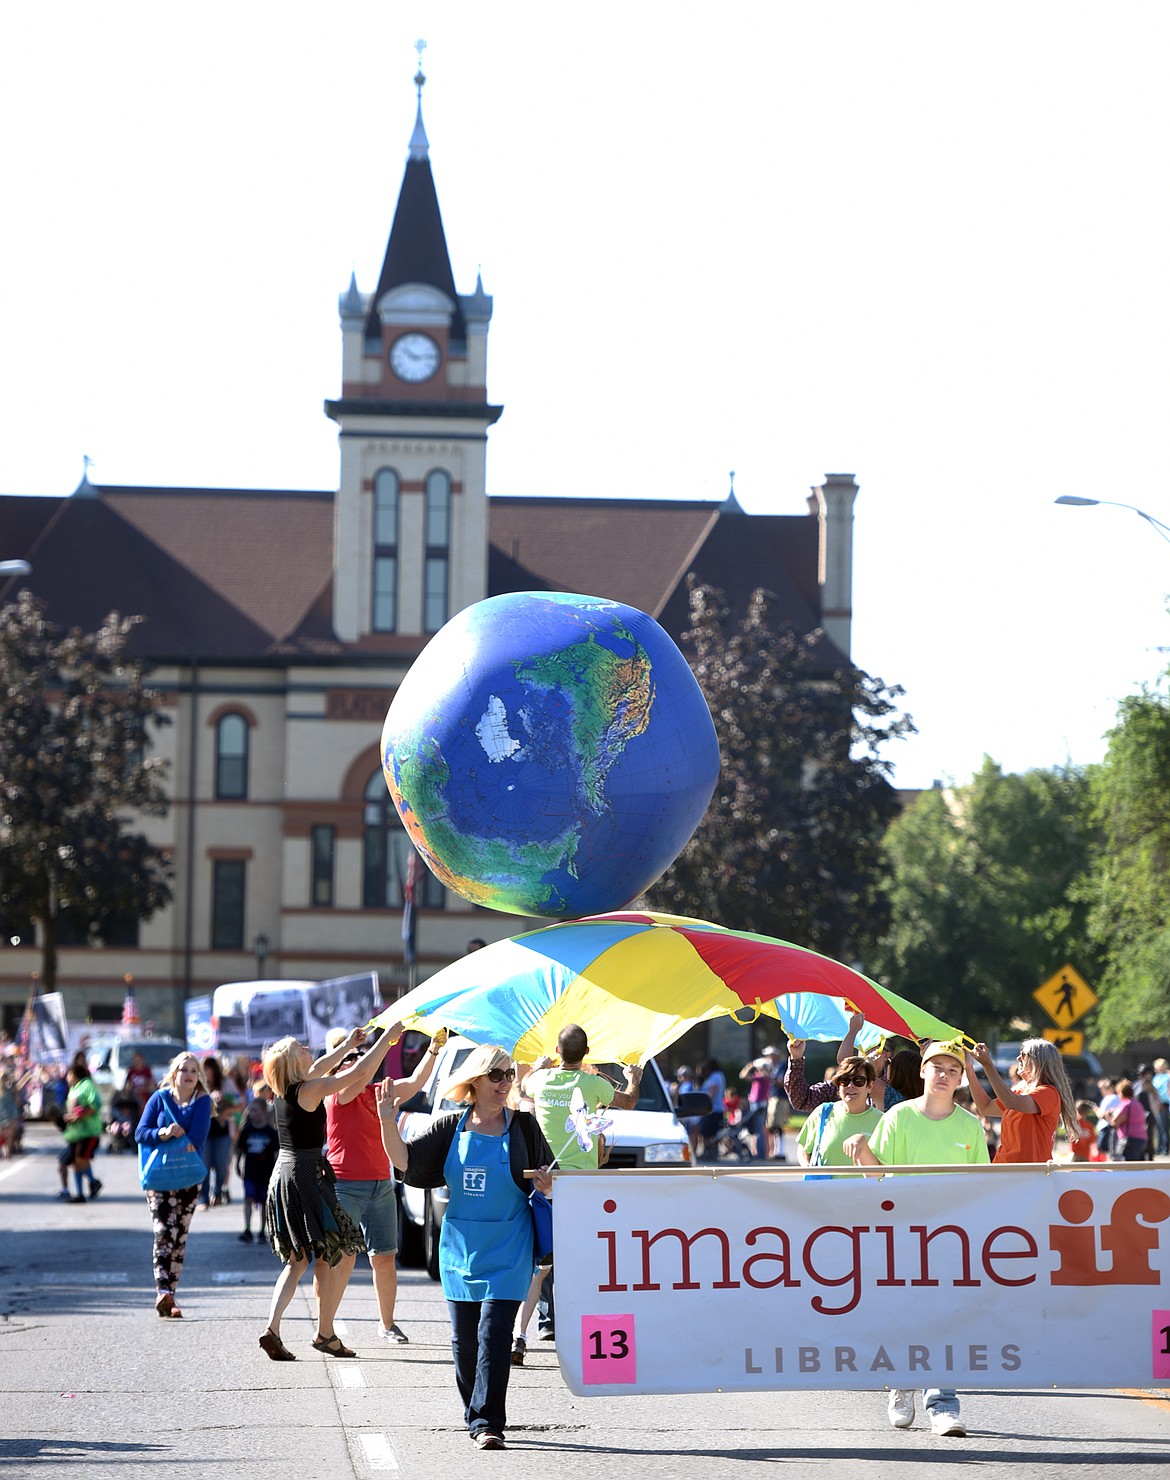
x,y
856,1079
497,1076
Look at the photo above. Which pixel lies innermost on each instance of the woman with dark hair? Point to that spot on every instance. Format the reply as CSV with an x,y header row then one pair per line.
x,y
486,1248
1128,1119
181,1106
224,1104
827,1128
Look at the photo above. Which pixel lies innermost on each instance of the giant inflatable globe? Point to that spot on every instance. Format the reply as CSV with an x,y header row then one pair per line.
x,y
550,754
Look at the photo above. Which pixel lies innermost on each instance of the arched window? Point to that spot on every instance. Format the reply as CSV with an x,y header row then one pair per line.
x,y
385,854
231,757
438,550
384,617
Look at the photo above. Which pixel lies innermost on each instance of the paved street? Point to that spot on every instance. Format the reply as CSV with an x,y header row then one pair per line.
x,y
92,1382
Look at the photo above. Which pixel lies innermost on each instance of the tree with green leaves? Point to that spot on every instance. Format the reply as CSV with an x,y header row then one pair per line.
x,y
791,842
982,883
1129,888
75,776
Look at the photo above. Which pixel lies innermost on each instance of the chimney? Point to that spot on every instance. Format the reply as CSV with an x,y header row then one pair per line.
x,y
834,508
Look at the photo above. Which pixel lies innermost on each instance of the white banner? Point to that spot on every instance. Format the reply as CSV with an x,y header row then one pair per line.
x,y
675,1282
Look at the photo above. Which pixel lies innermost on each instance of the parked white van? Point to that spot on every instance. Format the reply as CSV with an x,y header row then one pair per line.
x,y
648,1135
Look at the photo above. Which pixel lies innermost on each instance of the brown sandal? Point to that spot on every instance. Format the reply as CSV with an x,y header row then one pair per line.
x,y
273,1347
166,1307
332,1347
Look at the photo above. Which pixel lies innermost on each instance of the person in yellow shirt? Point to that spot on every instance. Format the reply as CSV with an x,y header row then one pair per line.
x,y
929,1131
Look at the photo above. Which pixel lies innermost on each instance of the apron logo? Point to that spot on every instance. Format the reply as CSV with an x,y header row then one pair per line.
x,y
475,1179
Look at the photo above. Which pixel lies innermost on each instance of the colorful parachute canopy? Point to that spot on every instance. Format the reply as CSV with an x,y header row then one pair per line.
x,y
636,982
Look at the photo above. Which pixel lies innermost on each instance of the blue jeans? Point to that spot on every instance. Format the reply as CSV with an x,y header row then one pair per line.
x,y
940,1400
481,1340
217,1154
756,1127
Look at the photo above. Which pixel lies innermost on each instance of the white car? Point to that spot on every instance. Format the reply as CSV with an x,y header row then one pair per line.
x,y
109,1059
649,1135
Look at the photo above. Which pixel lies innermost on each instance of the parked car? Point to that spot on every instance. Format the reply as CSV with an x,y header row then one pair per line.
x,y
1083,1069
648,1135
109,1058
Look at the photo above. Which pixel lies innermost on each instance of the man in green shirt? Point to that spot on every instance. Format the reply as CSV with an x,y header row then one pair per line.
x,y
929,1131
551,1091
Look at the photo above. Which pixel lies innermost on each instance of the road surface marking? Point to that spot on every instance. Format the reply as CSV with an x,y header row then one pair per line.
x,y
379,1456
12,1170
348,1377
97,1277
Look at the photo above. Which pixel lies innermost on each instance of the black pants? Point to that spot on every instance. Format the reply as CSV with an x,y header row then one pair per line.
x,y
481,1340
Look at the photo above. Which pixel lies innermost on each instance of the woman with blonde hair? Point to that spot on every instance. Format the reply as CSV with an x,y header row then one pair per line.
x,y
1040,1100
486,1254
302,1218
181,1106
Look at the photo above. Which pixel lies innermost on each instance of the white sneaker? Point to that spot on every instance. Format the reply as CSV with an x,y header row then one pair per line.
x,y
901,1407
950,1425
393,1334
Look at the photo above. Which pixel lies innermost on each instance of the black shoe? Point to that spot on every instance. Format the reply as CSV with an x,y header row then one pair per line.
x,y
77,1199
246,1236
94,1188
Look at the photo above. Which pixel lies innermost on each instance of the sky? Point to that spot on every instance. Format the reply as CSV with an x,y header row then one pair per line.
x,y
923,244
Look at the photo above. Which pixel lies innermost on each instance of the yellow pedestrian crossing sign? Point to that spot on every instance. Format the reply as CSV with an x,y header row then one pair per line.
x,y
1066,997
1067,1040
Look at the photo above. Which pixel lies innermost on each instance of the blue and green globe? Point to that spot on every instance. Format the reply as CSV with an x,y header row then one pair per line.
x,y
550,754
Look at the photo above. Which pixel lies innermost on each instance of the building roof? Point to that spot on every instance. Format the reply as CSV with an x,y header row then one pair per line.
x,y
640,551
219,574
246,575
417,249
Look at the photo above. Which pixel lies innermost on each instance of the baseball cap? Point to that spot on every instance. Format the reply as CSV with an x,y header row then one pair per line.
x,y
950,1047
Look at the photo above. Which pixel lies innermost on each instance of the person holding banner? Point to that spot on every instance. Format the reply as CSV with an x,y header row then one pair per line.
x,y
928,1131
1041,1099
823,1136
486,1244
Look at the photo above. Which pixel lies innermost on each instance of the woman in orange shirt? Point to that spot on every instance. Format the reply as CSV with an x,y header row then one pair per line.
x,y
1041,1100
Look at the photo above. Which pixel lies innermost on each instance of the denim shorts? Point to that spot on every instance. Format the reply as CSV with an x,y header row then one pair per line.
x,y
374,1207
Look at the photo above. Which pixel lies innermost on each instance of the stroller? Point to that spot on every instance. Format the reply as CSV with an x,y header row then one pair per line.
x,y
124,1115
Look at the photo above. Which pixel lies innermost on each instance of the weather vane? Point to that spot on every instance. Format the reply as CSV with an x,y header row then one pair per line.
x,y
420,46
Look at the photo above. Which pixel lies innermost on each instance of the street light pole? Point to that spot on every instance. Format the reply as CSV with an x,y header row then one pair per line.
x,y
1072,498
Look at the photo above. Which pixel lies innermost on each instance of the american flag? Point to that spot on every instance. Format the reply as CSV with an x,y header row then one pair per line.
x,y
410,883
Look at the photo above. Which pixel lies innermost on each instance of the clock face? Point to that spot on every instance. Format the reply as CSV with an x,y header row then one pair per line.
x,y
414,357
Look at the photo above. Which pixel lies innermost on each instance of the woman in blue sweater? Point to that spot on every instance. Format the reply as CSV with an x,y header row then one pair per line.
x,y
183,1093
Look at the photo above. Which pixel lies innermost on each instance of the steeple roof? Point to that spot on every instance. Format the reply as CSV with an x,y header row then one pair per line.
x,y
417,249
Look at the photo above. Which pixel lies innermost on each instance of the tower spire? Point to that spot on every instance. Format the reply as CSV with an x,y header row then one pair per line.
x,y
419,144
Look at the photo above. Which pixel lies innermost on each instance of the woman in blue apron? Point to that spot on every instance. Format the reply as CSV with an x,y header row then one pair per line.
x,y
486,1243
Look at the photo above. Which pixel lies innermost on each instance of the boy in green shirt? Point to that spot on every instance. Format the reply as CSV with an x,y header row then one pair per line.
x,y
929,1131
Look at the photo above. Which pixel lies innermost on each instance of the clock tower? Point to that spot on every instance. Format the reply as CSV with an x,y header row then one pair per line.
x,y
410,523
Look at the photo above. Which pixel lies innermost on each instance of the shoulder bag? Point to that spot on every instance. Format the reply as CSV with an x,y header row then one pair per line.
x,y
171,1164
542,1213
817,1159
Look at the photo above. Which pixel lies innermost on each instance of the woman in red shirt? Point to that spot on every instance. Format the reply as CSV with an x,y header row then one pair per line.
x,y
1041,1100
